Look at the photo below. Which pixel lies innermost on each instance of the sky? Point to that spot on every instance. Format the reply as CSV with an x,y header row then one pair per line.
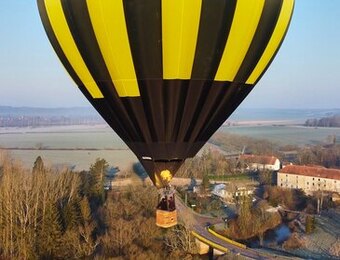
x,y
304,74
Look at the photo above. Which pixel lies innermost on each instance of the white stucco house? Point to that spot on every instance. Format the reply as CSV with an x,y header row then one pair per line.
x,y
260,162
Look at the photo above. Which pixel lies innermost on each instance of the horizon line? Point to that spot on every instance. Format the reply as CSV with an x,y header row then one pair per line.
x,y
90,107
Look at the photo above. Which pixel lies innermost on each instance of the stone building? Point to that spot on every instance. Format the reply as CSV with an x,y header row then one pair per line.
x,y
309,178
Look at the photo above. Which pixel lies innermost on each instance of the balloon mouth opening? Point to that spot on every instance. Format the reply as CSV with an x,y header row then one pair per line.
x,y
161,170
147,158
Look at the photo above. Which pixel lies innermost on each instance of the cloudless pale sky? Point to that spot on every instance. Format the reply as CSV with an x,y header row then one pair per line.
x,y
304,74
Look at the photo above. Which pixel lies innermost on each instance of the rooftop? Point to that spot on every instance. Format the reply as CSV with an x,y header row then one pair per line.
x,y
314,171
261,159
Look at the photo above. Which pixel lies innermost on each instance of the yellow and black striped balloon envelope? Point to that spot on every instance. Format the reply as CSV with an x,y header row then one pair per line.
x,y
165,74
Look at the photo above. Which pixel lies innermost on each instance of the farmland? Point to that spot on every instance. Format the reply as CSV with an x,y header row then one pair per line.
x,y
78,146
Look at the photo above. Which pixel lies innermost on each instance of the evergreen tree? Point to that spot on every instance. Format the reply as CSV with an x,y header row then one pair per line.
x,y
49,239
38,166
206,161
245,215
205,182
69,216
85,211
310,224
266,177
87,242
85,183
98,170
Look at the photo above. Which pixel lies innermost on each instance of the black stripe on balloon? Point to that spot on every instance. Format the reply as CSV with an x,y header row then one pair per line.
x,y
79,22
263,33
235,95
56,46
119,115
195,98
175,93
203,91
100,104
105,110
213,100
144,27
151,91
278,48
215,23
135,109
222,99
238,97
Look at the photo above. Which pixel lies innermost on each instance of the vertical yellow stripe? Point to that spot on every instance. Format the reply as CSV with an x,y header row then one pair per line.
x,y
108,20
63,34
278,34
180,22
245,22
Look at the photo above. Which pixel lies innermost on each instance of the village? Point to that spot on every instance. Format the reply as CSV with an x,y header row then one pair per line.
x,y
313,180
286,206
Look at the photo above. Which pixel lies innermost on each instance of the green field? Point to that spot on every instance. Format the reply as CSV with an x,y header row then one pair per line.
x,y
285,134
60,137
77,160
85,139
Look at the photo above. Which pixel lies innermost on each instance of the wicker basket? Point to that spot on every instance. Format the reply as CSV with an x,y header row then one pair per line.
x,y
165,218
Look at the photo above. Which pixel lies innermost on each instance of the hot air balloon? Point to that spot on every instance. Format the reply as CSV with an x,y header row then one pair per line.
x,y
165,74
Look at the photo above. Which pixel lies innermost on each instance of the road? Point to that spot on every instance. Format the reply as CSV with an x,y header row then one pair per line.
x,y
199,224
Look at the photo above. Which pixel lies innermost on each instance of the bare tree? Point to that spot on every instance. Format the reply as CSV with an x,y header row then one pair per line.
x,y
335,248
180,238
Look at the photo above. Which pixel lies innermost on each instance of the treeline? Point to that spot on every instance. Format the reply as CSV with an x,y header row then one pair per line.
x,y
327,155
239,143
210,162
254,219
45,214
214,163
251,221
332,121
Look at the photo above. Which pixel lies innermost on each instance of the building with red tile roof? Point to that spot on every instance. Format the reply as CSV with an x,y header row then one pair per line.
x,y
261,162
309,178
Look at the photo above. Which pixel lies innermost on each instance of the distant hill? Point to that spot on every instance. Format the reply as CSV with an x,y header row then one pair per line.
x,y
48,112
35,117
297,115
71,115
